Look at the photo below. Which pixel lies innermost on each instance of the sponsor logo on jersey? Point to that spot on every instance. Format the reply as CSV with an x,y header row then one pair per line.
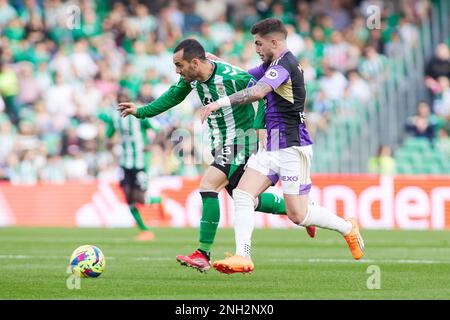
x,y
272,74
302,117
289,178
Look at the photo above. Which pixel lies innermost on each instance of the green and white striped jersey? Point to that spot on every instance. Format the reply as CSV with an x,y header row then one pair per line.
x,y
227,125
133,138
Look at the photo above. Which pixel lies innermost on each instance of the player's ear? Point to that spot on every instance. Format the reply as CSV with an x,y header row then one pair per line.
x,y
195,62
274,43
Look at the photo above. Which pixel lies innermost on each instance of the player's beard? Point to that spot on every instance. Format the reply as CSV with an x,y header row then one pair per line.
x,y
190,76
268,57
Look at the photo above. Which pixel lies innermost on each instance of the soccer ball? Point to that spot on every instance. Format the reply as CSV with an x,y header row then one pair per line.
x,y
87,261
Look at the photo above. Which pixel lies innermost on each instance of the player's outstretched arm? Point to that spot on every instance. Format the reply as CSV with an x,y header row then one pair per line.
x,y
255,93
169,99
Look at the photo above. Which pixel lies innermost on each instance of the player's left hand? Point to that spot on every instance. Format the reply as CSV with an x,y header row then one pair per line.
x,y
208,109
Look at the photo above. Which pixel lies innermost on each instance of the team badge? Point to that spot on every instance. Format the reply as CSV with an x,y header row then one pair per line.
x,y
251,83
221,91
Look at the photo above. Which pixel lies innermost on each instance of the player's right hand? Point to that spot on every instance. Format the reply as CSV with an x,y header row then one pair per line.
x,y
211,56
127,108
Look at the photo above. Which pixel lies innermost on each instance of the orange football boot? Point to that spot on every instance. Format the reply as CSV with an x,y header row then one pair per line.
x,y
234,264
145,236
354,240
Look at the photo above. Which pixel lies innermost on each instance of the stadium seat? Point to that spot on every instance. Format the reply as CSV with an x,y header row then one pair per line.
x,y
419,144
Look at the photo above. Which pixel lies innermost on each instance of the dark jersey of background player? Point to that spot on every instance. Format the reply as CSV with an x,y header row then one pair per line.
x,y
285,117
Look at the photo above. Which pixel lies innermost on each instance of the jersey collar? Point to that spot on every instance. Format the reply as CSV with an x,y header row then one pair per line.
x,y
283,53
213,72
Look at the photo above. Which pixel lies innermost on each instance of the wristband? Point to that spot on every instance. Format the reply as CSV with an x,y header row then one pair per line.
x,y
224,102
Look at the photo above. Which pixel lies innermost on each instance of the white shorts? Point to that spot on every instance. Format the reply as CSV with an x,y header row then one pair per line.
x,y
292,165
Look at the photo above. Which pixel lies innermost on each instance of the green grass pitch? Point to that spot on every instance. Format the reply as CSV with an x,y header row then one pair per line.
x,y
288,265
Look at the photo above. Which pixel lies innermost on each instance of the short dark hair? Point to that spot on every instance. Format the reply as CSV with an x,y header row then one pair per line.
x,y
267,26
192,49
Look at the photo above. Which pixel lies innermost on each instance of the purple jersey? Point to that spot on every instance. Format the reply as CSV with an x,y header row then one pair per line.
x,y
285,116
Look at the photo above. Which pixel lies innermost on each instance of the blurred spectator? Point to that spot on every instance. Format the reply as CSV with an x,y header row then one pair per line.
x,y
333,83
88,99
59,99
358,87
83,64
383,163
171,23
395,48
142,23
294,41
192,20
210,10
279,12
423,124
441,103
438,66
340,16
443,141
29,11
337,51
309,72
408,32
145,95
29,89
9,89
373,64
222,30
53,171
320,114
71,143
7,138
249,17
55,80
7,13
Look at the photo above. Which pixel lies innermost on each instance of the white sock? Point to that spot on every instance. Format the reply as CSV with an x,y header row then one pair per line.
x,y
244,221
323,218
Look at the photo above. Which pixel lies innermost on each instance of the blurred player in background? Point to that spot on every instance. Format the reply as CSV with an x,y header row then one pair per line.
x,y
230,146
134,160
289,148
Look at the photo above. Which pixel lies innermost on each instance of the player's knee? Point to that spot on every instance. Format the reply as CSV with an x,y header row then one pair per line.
x,y
243,198
139,197
206,184
129,198
297,216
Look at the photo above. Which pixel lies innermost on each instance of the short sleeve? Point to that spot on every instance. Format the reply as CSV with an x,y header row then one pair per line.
x,y
257,72
275,76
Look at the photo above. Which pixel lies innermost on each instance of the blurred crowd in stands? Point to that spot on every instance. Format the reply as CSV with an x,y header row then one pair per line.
x,y
62,63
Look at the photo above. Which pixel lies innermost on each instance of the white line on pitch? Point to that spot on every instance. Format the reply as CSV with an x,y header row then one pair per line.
x,y
399,261
312,260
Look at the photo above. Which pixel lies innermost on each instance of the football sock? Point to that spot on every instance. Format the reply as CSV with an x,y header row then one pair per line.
x,y
271,203
210,219
138,218
323,218
244,221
